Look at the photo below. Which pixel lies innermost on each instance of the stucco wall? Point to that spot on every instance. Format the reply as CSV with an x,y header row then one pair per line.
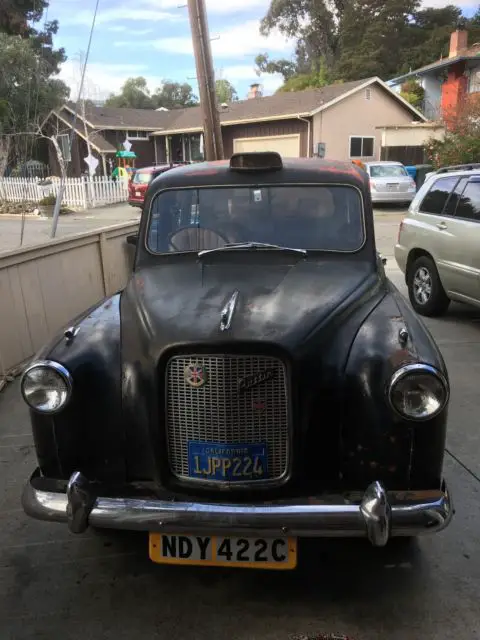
x,y
413,136
357,116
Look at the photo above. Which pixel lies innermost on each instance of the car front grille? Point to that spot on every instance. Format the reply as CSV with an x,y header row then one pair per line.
x,y
216,410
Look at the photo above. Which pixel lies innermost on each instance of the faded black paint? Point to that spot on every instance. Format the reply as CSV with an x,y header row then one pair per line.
x,y
334,319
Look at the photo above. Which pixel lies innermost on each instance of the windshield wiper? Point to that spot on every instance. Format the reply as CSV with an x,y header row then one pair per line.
x,y
251,245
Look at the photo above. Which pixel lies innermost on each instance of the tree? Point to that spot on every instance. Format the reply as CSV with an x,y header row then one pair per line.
x,y
134,94
414,93
225,91
17,16
174,95
28,92
461,144
355,39
303,81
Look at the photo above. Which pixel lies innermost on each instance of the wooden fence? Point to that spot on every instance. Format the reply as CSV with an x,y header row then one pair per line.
x,y
45,286
81,192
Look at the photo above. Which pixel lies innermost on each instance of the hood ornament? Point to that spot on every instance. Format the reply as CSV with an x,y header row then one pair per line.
x,y
227,312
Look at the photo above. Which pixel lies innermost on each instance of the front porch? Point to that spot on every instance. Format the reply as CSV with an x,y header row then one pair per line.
x,y
179,147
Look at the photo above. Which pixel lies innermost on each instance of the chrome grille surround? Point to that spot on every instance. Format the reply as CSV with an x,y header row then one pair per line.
x,y
219,412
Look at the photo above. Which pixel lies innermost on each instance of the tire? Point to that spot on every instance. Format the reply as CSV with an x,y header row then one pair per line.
x,y
425,290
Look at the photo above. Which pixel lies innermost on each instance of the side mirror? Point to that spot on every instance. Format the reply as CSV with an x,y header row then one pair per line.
x,y
132,239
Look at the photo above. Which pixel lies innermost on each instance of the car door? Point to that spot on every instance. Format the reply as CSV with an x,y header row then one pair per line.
x,y
465,227
430,231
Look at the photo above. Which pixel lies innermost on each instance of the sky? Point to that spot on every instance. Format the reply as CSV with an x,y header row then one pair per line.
x,y
151,38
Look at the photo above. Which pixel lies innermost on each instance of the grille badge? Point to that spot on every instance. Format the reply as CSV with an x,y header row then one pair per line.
x,y
253,380
195,375
227,312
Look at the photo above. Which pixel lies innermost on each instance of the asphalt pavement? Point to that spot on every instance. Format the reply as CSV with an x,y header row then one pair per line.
x,y
102,585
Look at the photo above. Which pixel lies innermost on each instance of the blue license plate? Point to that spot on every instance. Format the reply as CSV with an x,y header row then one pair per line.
x,y
227,462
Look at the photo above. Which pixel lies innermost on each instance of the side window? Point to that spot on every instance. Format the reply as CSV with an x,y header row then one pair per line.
x,y
455,197
435,200
469,202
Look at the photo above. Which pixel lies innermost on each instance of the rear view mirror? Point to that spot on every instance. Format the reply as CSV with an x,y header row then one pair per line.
x,y
132,239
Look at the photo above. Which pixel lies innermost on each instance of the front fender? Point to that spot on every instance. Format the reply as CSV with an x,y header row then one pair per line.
x,y
377,442
88,435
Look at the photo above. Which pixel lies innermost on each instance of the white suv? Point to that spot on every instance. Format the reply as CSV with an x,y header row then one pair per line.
x,y
438,245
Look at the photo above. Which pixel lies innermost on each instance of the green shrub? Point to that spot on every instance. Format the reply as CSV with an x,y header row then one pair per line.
x,y
48,200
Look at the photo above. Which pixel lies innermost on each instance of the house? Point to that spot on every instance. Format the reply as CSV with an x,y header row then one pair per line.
x,y
448,81
103,130
338,121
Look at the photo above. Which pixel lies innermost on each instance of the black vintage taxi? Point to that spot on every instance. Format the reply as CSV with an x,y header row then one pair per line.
x,y
258,380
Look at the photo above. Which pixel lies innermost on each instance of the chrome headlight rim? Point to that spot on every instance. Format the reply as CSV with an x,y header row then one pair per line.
x,y
60,370
407,370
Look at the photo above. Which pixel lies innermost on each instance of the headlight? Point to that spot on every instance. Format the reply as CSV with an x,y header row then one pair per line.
x,y
46,386
418,392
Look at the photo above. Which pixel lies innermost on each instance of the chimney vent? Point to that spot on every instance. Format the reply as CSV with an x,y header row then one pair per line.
x,y
458,42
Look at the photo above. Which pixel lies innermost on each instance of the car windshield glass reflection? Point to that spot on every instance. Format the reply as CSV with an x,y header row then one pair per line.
x,y
141,178
385,171
315,218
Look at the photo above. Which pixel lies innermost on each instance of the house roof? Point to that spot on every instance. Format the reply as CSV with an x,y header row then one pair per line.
x,y
97,141
120,118
279,106
472,53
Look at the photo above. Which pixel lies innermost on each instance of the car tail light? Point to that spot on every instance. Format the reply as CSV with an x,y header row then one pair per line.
x,y
373,186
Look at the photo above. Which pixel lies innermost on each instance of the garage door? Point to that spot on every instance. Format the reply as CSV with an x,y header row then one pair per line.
x,y
287,146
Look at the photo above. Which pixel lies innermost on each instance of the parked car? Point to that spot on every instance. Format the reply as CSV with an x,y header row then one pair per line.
x,y
138,184
258,380
390,182
439,240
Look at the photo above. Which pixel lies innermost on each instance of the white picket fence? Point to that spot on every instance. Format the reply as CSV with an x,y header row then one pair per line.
x,y
84,192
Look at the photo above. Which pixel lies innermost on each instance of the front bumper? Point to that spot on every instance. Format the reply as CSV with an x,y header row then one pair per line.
x,y
376,515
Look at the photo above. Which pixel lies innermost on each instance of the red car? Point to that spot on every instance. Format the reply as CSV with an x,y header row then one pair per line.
x,y
138,184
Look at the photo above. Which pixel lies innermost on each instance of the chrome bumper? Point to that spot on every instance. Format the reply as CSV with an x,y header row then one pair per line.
x,y
377,515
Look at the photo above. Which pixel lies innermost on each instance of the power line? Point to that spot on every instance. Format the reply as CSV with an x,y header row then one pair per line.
x,y
61,189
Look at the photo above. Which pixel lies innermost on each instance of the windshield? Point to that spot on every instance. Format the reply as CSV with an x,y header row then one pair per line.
x,y
387,171
142,177
311,217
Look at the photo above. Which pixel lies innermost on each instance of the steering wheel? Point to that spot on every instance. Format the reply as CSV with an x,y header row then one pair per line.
x,y
195,239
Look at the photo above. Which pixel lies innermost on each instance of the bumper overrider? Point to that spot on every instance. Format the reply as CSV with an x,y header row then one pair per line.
x,y
376,515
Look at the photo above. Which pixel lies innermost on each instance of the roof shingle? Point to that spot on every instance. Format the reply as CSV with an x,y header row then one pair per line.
x,y
279,105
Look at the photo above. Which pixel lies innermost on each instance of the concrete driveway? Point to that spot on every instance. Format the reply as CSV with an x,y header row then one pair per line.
x,y
38,230
102,586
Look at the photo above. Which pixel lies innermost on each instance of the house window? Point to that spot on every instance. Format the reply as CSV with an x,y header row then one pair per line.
x,y
368,94
474,82
137,135
361,147
64,143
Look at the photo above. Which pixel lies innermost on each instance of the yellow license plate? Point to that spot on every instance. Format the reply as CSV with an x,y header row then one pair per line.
x,y
221,551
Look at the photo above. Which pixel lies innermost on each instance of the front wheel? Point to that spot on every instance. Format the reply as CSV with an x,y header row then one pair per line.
x,y
425,289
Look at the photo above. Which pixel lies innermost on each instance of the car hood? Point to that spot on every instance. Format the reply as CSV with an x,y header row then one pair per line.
x,y
281,303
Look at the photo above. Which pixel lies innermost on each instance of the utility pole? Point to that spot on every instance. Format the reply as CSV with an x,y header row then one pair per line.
x,y
206,80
